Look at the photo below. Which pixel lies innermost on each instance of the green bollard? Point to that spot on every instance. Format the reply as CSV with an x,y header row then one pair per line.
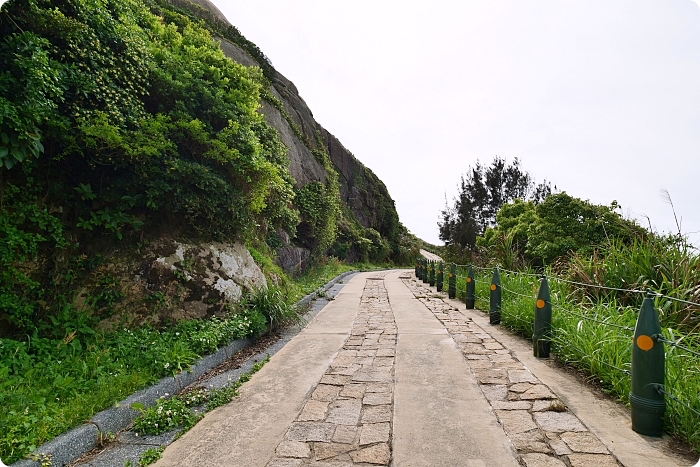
x,y
470,297
440,277
495,298
416,268
543,322
431,279
452,281
425,271
648,371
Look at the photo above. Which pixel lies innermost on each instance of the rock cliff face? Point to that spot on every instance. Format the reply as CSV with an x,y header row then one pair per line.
x,y
360,189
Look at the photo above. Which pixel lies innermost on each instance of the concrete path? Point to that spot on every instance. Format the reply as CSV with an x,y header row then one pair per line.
x,y
430,256
391,373
441,418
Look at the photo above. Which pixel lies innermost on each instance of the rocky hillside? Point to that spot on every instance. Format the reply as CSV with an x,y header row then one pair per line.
x,y
364,196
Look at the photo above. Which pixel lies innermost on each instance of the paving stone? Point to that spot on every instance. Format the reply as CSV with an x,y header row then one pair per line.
x,y
558,422
492,376
313,411
377,376
344,360
516,421
474,349
592,460
378,387
377,398
344,412
509,365
511,405
345,434
520,387
326,393
539,391
377,454
477,357
558,446
327,450
485,363
367,353
503,358
376,414
466,338
374,433
495,392
310,431
529,441
335,380
295,449
584,442
384,361
364,360
522,376
545,404
492,346
353,391
344,370
541,460
347,353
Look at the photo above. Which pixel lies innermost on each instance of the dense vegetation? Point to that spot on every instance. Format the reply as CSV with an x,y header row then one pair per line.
x,y
121,120
482,192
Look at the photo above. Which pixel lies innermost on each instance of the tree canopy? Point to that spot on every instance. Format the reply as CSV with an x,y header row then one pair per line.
x,y
559,225
482,192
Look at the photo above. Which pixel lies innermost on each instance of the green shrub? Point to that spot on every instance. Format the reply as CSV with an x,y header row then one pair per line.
x,y
272,303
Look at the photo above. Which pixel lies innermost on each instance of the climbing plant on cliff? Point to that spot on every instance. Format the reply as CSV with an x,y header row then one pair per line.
x,y
120,119
319,206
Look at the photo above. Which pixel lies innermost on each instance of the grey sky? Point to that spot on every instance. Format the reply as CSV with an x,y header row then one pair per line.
x,y
600,97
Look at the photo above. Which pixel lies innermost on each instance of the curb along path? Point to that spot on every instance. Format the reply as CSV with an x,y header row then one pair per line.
x,y
348,416
542,430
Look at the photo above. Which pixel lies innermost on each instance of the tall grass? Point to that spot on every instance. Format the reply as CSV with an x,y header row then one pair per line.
x,y
666,265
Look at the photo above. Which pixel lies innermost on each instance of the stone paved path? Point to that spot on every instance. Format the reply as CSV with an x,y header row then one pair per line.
x,y
392,374
538,424
348,416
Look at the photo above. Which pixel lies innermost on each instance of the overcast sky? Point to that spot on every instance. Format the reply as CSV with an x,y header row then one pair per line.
x,y
600,97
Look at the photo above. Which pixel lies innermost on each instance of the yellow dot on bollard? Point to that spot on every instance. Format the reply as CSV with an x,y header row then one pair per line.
x,y
645,342
540,303
493,286
450,274
469,279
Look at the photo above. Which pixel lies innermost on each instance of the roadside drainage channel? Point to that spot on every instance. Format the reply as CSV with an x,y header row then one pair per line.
x,y
69,447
